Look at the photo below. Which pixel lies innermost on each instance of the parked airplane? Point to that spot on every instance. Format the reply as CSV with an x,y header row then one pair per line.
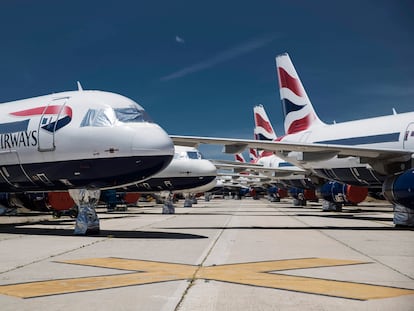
x,y
374,152
334,194
262,161
78,140
294,176
300,186
187,172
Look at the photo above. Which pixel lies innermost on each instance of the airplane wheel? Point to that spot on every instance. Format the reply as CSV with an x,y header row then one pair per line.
x,y
73,212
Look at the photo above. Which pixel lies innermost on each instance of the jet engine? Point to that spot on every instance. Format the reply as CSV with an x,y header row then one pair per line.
x,y
307,194
399,189
336,192
276,193
300,196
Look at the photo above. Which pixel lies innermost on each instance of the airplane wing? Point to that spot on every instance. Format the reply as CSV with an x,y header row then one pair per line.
x,y
259,168
307,151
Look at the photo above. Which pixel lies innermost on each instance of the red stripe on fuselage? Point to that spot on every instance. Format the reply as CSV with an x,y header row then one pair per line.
x,y
67,111
287,81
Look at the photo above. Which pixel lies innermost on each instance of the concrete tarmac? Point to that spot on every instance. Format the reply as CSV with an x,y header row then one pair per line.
x,y
217,255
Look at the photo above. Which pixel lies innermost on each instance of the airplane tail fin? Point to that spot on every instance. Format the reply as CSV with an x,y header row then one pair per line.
x,y
239,158
263,129
297,108
253,155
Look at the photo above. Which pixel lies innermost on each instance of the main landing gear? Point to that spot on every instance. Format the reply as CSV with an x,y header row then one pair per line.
x,y
87,221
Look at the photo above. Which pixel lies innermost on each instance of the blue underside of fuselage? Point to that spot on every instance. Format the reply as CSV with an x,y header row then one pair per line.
x,y
357,176
170,184
298,183
86,173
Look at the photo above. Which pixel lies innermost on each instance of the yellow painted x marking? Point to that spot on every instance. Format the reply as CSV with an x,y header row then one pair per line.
x,y
254,274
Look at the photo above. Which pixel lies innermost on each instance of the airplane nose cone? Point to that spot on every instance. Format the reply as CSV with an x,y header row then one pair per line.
x,y
152,141
154,147
209,169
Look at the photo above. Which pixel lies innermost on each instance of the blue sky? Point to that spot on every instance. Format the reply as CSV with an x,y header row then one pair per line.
x,y
199,67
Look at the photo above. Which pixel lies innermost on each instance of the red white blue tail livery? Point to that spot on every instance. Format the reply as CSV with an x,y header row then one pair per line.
x,y
297,108
263,129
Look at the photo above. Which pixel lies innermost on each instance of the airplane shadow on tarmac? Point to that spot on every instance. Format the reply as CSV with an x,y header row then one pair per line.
x,y
348,216
118,234
304,228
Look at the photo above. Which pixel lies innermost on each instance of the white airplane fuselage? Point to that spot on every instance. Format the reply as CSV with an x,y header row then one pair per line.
x,y
78,139
378,132
187,172
388,132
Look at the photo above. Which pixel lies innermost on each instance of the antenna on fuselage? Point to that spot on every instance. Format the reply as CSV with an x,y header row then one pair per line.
x,y
79,86
394,112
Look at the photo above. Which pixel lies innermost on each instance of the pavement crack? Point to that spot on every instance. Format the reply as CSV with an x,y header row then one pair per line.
x,y
52,256
206,255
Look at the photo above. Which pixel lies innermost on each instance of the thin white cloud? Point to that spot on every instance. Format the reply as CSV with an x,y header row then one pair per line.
x,y
221,57
179,39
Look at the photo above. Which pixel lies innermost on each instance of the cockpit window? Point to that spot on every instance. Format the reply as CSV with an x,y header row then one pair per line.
x,y
194,155
132,114
104,117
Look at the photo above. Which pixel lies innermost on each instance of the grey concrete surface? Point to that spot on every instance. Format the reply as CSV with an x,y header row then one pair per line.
x,y
210,234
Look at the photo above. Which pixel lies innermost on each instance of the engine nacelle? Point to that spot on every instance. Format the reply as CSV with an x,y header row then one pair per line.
x,y
303,194
60,201
279,192
132,197
336,192
399,189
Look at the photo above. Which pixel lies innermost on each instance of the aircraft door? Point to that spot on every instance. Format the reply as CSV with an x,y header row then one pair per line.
x,y
409,137
48,124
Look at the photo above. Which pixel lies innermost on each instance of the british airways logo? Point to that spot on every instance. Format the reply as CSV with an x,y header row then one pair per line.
x,y
301,116
17,134
49,113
